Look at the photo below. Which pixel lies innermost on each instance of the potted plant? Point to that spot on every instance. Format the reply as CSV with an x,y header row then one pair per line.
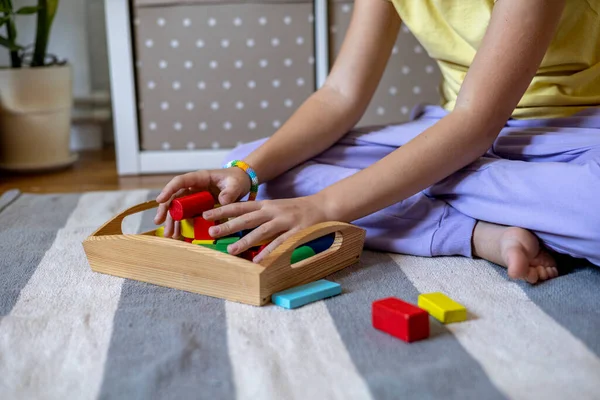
x,y
35,95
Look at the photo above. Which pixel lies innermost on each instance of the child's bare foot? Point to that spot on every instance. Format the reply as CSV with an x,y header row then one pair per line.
x,y
516,249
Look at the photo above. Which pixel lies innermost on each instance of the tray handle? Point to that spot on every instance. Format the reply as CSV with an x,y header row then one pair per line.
x,y
115,225
347,236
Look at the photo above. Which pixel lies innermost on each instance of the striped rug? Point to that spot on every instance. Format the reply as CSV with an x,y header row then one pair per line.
x,y
69,333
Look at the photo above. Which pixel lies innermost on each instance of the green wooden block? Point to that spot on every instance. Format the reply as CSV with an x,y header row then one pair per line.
x,y
228,240
218,247
302,253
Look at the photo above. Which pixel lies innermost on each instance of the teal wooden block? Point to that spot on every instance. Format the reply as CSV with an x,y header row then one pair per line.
x,y
300,295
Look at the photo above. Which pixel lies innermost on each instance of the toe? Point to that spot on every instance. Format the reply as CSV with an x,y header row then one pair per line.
x,y
554,272
532,275
542,272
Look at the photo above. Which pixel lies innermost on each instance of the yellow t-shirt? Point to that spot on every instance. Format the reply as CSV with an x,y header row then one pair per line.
x,y
568,79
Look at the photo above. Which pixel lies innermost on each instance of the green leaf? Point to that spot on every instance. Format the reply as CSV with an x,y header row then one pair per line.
x,y
28,10
4,20
12,30
8,44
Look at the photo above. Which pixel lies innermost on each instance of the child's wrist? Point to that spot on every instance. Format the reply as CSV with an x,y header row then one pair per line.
x,y
247,169
329,205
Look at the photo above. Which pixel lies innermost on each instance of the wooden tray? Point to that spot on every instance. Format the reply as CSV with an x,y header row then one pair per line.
x,y
193,268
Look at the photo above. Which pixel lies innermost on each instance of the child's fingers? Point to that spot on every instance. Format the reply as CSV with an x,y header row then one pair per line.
x,y
169,226
176,230
198,179
262,233
232,210
247,221
163,208
229,196
161,213
272,246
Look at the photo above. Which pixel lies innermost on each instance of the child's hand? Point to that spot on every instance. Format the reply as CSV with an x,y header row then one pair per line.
x,y
274,220
227,185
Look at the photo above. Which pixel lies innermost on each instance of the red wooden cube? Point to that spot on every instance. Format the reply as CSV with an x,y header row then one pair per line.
x,y
201,229
400,319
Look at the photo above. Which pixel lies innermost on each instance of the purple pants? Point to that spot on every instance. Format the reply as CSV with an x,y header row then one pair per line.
x,y
542,175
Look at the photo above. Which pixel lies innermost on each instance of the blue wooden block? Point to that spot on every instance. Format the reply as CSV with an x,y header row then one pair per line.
x,y
321,244
300,295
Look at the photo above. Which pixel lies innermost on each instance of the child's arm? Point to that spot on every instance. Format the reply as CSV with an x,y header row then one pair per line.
x,y
509,56
507,60
320,122
336,107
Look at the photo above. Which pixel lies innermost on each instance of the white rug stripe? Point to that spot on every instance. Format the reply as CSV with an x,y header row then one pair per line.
x,y
59,330
523,350
290,354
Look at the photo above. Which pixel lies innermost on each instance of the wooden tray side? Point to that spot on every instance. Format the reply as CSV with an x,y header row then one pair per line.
x,y
345,251
178,265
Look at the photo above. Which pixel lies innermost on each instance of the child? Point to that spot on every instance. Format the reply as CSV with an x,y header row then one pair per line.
x,y
507,170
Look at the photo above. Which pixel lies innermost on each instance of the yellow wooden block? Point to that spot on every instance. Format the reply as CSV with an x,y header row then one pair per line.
x,y
442,307
160,232
203,242
187,228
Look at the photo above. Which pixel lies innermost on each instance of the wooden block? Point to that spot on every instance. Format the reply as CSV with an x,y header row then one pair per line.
x,y
217,247
188,240
160,232
301,253
250,254
321,244
304,294
400,319
228,240
201,229
187,228
203,242
191,206
442,307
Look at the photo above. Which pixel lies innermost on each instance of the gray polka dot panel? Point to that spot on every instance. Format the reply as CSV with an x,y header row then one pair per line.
x,y
411,77
214,75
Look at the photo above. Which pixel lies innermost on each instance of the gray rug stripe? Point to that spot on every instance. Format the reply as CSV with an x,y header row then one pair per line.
x,y
8,198
28,228
435,368
167,344
572,301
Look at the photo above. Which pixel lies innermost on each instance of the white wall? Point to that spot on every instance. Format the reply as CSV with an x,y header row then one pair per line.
x,y
78,35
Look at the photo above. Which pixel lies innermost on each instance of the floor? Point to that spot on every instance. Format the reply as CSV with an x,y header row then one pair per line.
x,y
95,170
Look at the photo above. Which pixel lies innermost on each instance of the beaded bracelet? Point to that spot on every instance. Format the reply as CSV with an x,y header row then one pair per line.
x,y
251,173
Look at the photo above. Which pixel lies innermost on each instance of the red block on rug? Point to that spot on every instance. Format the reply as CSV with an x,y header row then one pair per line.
x,y
400,319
